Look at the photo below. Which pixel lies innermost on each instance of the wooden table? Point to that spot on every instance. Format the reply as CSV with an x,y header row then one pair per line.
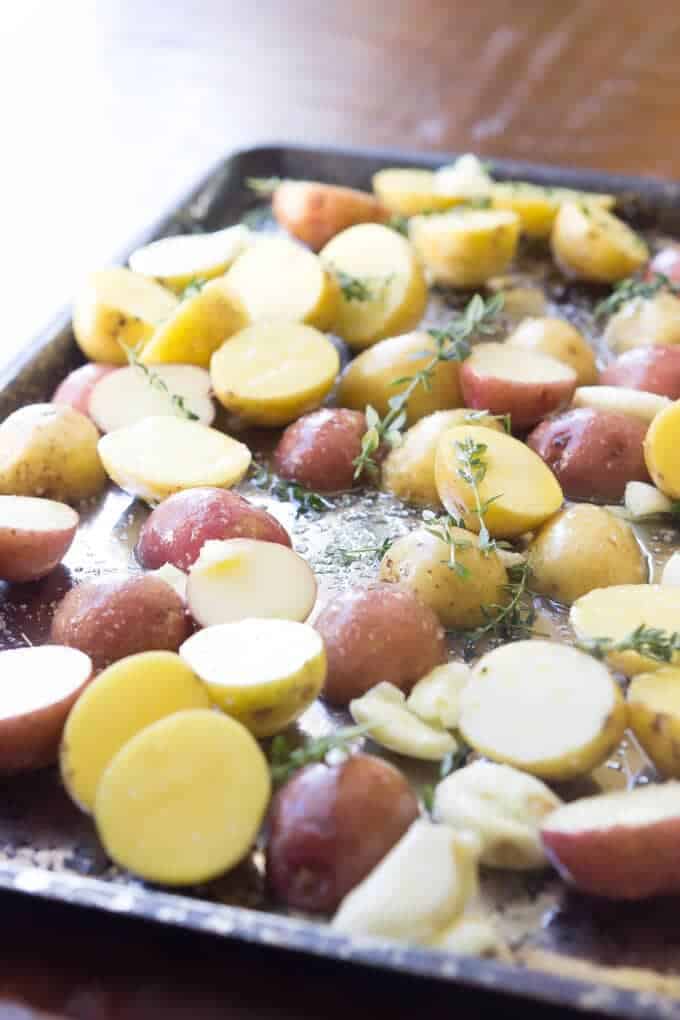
x,y
111,109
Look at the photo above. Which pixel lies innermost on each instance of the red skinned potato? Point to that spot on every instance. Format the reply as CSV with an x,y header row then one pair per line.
x,y
76,388
625,846
653,369
314,212
109,620
179,526
39,686
592,453
319,449
35,535
526,384
331,825
379,633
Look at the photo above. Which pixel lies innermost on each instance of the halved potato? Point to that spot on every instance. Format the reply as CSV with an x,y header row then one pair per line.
x,y
128,395
621,400
538,206
314,212
406,192
465,180
465,247
560,340
645,322
392,725
177,261
661,450
590,243
436,698
35,535
654,716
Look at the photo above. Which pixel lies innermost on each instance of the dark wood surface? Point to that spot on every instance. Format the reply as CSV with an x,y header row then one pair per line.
x,y
111,109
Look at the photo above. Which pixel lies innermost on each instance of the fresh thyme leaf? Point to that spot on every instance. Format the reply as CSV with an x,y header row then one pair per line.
x,y
472,470
158,383
443,530
194,287
454,759
651,642
399,223
285,759
504,419
354,288
369,553
512,621
427,797
264,186
628,290
305,500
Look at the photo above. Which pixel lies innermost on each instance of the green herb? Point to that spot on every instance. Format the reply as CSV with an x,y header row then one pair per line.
x,y
454,759
451,344
263,185
158,383
628,290
514,620
472,470
285,759
194,287
443,530
652,642
504,419
427,797
369,553
354,288
483,202
305,500
399,223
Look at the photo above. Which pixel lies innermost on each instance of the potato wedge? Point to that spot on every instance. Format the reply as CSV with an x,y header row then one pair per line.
x,y
653,701
179,260
543,707
645,322
128,395
538,206
76,388
559,339
621,400
661,450
392,725
465,247
592,244
314,213
272,372
436,698
35,535
406,192
642,500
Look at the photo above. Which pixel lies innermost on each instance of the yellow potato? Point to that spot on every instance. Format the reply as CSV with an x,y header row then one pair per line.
x,y
395,294
543,707
177,261
661,450
407,192
182,801
645,322
590,243
465,180
279,279
519,300
264,673
465,247
272,372
654,717
457,581
524,490
50,450
162,455
121,701
436,697
370,377
538,206
614,613
581,548
384,709
408,470
560,339
117,306
197,328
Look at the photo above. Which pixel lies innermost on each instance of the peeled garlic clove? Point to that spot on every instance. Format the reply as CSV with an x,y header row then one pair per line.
x,y
383,708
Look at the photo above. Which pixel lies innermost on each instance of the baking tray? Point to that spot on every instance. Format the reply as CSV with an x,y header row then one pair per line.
x,y
615,959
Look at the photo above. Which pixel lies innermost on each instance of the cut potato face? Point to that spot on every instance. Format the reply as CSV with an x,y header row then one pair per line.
x,y
129,395
559,339
76,388
264,673
392,725
592,244
125,698
645,322
394,294
621,400
524,490
436,698
272,372
238,578
118,307
661,450
279,279
183,800
177,261
466,247
159,456
581,711
35,535
537,207
654,717
406,192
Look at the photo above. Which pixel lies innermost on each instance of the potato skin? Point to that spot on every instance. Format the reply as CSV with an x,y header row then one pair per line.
x,y
379,633
109,620
653,369
319,449
581,548
178,527
27,555
314,212
654,717
592,453
330,826
75,389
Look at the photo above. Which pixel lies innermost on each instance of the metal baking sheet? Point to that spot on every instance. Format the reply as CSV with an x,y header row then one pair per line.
x,y
617,959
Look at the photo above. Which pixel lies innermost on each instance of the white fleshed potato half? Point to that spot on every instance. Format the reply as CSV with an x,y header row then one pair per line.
x,y
436,698
645,322
384,709
131,394
636,403
643,500
176,261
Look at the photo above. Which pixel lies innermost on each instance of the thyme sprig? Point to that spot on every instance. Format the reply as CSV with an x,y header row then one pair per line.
x,y
651,642
514,620
264,186
443,530
305,500
194,287
505,419
354,288
366,554
628,290
472,470
285,759
158,383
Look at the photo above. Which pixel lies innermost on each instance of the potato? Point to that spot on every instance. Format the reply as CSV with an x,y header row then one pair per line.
x,y
331,825
559,339
581,548
466,179
394,293
621,400
118,307
590,243
465,247
378,633
241,577
75,389
502,807
661,450
519,300
645,322
667,262
473,934
183,800
271,373
652,369
538,206
406,192
197,327
180,260
593,454
50,450
525,384
436,698
111,619
179,526
314,213
161,455
279,279
128,395
542,707
525,493
264,673
642,500
616,612
654,716
370,377
621,845
39,686
392,725
408,469
124,699
319,449
458,581
35,535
